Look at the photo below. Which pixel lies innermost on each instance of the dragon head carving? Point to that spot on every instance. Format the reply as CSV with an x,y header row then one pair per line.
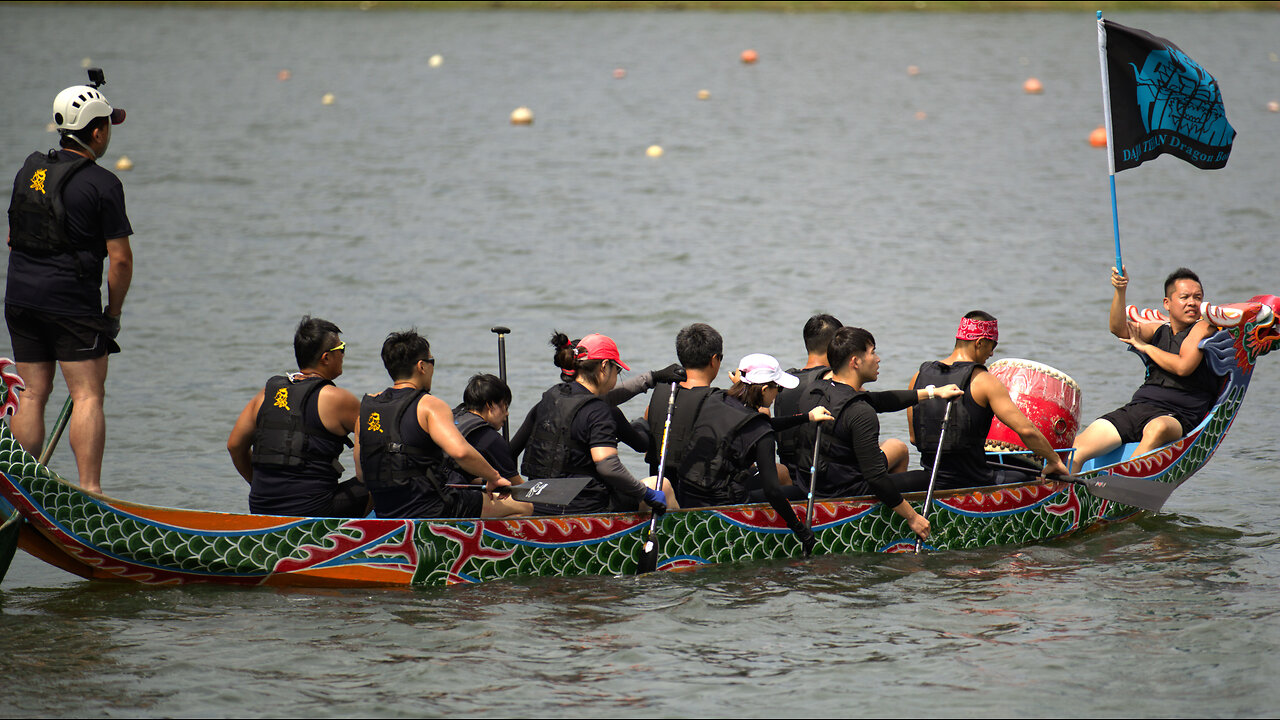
x,y
11,385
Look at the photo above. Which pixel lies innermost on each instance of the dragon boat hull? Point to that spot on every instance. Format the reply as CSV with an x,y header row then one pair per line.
x,y
98,537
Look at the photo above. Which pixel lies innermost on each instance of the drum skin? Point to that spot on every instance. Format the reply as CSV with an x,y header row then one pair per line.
x,y
1048,397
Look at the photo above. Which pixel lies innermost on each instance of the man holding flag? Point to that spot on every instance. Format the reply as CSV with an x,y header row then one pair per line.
x,y
1157,100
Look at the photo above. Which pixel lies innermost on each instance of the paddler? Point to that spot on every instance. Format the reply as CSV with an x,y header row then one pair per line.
x,y
572,432
795,446
486,402
856,463
287,440
700,350
1180,387
730,444
405,433
964,460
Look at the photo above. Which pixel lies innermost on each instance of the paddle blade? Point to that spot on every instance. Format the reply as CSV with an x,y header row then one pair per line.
x,y
550,491
649,555
1145,494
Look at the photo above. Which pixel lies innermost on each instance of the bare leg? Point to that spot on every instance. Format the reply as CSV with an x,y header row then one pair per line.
x,y
1158,432
668,492
27,424
1099,438
784,475
504,507
895,455
86,381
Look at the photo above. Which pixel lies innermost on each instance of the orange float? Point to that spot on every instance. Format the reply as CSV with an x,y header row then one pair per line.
x,y
749,56
1098,138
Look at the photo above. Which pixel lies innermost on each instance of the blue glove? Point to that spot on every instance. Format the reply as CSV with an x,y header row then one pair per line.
x,y
655,500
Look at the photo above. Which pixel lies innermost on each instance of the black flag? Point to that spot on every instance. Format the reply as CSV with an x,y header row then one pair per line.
x,y
1160,101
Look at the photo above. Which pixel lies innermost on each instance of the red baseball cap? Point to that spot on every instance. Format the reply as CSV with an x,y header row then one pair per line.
x,y
600,347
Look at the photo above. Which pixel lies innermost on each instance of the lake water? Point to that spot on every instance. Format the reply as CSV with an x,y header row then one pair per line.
x,y
807,182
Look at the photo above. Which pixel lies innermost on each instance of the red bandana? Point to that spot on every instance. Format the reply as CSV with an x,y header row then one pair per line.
x,y
978,330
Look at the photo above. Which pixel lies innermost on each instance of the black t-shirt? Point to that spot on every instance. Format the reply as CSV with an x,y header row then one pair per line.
x,y
489,443
94,202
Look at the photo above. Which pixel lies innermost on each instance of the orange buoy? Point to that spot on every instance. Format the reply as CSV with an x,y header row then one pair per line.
x,y
704,94
620,73
912,70
749,56
1032,87
1098,138
1274,106
284,75
920,114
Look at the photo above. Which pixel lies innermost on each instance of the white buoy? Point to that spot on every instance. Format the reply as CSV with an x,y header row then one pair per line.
x,y
435,61
654,151
327,99
124,163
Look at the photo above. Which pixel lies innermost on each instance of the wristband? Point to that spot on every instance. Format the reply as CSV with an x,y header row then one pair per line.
x,y
929,389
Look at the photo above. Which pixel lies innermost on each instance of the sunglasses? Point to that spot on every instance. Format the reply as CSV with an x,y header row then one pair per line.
x,y
342,348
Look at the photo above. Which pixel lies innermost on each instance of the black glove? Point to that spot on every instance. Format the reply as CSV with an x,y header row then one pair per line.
x,y
669,374
806,538
111,325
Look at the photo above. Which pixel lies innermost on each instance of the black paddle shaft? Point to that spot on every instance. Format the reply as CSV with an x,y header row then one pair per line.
x,y
502,332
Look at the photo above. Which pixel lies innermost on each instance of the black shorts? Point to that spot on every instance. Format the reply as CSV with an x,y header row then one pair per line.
x,y
465,503
44,337
1130,419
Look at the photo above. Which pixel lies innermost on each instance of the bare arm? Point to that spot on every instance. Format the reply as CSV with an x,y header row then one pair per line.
x,y
240,442
339,412
436,418
119,274
989,391
1189,355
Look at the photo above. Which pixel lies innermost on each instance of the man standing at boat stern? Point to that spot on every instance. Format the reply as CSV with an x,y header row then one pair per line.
x,y
66,217
1180,388
287,440
964,459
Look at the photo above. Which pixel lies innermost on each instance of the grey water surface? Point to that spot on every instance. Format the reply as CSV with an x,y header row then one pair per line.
x,y
823,178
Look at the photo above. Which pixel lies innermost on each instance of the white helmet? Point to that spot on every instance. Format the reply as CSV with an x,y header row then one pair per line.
x,y
79,105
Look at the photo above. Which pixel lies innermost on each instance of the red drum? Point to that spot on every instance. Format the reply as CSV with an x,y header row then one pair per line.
x,y
1050,399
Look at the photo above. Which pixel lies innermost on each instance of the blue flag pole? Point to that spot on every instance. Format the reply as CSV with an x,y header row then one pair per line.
x,y
1111,156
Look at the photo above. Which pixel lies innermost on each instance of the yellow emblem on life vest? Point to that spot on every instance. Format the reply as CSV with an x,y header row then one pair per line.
x,y
37,181
282,398
375,423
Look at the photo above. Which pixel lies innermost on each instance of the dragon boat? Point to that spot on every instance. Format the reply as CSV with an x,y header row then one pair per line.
x,y
101,538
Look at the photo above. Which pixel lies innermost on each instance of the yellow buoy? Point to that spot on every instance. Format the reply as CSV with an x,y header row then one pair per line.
x,y
86,62
654,151
327,99
522,116
1032,87
435,61
124,163
704,94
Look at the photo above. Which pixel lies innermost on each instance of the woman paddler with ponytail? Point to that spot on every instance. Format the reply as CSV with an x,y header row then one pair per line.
x,y
572,432
731,433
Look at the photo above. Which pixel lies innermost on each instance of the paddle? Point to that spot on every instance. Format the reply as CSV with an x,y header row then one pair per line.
x,y
813,478
548,491
502,333
937,457
1145,494
649,558
58,427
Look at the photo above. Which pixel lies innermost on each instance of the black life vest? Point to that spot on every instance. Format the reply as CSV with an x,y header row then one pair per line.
x,y
968,424
803,436
688,403
708,471
547,453
837,464
1202,383
388,463
468,423
281,438
37,215
795,445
